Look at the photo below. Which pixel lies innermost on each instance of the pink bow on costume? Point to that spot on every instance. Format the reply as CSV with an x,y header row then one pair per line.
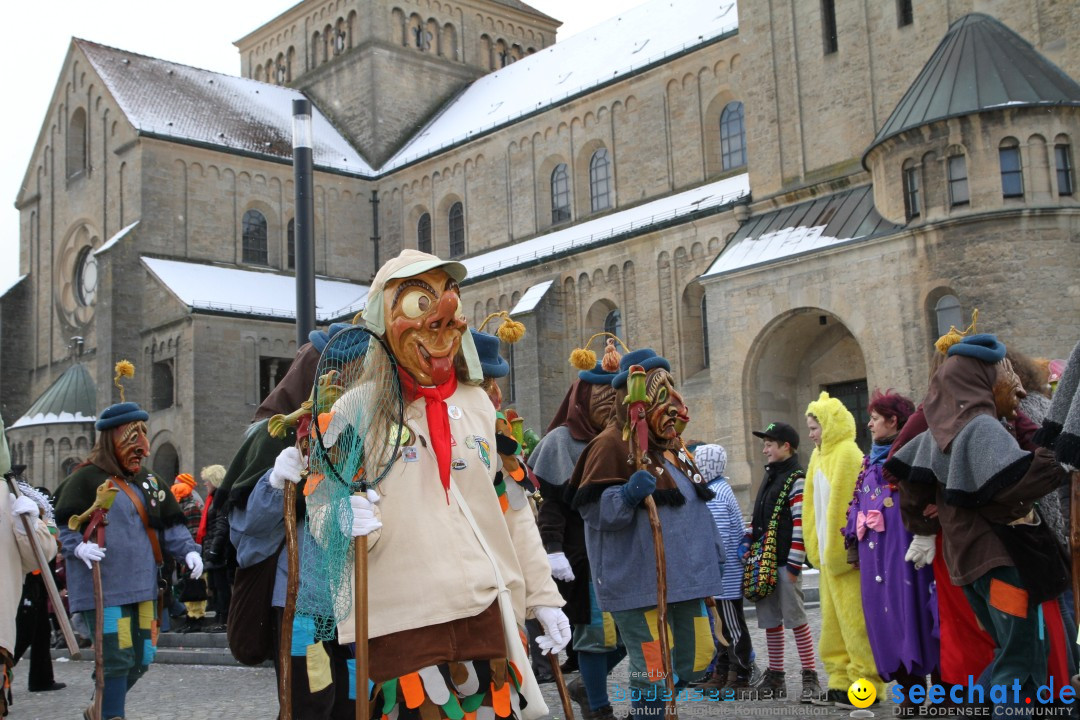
x,y
873,520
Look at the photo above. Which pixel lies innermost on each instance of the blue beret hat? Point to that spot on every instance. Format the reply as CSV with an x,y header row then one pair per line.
x,y
645,357
597,375
984,346
487,349
120,414
319,338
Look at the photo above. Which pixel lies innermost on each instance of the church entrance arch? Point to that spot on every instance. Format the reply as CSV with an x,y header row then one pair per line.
x,y
797,355
166,463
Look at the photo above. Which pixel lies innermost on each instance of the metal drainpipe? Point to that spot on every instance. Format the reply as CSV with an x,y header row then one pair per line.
x,y
375,230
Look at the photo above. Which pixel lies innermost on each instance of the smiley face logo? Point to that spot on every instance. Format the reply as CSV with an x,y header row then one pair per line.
x,y
862,693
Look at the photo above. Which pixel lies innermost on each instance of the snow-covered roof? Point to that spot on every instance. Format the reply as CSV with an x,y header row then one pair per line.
x,y
801,229
613,49
170,100
250,292
591,232
116,238
531,298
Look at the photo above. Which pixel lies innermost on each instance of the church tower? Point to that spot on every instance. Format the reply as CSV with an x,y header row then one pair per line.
x,y
379,69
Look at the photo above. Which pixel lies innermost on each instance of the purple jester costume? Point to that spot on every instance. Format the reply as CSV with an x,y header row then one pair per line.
x,y
899,602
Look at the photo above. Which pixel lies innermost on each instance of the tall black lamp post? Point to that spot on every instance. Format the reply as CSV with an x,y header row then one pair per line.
x,y
305,220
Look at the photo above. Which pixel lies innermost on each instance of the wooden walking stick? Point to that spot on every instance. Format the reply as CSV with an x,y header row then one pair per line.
x,y
637,432
564,694
50,582
285,649
97,515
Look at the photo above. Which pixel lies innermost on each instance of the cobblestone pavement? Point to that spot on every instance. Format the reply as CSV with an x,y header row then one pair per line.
x,y
203,692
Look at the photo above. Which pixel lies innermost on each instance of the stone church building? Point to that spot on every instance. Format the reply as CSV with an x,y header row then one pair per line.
x,y
780,197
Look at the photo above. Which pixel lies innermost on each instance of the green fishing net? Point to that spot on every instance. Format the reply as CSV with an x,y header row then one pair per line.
x,y
355,437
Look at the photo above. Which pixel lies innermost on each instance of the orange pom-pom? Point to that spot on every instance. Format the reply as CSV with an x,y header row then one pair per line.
x,y
612,358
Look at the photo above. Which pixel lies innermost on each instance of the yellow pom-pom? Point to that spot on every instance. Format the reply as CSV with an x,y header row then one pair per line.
x,y
510,331
583,359
123,369
947,340
612,358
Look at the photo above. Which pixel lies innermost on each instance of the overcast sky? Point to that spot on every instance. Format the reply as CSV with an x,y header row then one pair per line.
x,y
195,32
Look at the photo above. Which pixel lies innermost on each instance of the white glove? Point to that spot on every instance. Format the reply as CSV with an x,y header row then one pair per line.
x,y
23,505
556,630
194,561
288,466
921,551
365,516
89,552
560,567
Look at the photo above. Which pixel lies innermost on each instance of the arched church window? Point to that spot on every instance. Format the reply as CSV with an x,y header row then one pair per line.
x,y
949,314
457,229
600,180
613,323
254,238
423,233
76,143
560,194
732,136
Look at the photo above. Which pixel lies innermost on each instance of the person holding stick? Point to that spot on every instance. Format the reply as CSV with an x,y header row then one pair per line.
x,y
17,558
610,487
144,524
451,579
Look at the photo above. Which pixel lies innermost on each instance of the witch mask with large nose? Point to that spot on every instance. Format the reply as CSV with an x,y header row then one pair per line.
x,y
424,324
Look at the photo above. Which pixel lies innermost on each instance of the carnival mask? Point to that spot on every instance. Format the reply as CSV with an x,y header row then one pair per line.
x,y
666,414
1008,391
424,323
601,406
131,446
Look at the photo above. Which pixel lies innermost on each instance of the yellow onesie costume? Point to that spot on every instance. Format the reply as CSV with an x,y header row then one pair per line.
x,y
830,483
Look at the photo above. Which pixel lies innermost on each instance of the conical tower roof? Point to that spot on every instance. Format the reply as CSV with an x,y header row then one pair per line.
x,y
980,65
72,398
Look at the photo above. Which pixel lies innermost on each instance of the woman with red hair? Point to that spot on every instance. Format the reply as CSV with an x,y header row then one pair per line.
x,y
898,600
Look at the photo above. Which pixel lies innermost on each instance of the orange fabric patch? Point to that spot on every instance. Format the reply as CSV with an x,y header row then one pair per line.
x,y
504,503
500,700
517,673
654,664
412,688
312,482
1009,599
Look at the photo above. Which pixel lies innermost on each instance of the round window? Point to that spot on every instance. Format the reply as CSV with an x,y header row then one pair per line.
x,y
86,276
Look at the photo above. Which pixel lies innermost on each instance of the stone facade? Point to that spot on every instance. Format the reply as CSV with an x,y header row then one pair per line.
x,y
747,347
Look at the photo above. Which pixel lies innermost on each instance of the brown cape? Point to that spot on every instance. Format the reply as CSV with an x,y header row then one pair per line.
x,y
607,462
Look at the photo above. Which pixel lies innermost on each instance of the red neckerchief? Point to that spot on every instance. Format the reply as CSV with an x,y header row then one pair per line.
x,y
438,420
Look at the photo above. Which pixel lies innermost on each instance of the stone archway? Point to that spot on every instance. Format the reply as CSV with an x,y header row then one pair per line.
x,y
166,463
796,356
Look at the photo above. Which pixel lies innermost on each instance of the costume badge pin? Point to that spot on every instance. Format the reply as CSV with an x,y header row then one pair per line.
x,y
455,412
484,449
410,454
470,441
888,502
459,464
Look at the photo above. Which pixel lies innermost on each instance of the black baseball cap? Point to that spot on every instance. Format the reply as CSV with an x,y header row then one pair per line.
x,y
781,433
